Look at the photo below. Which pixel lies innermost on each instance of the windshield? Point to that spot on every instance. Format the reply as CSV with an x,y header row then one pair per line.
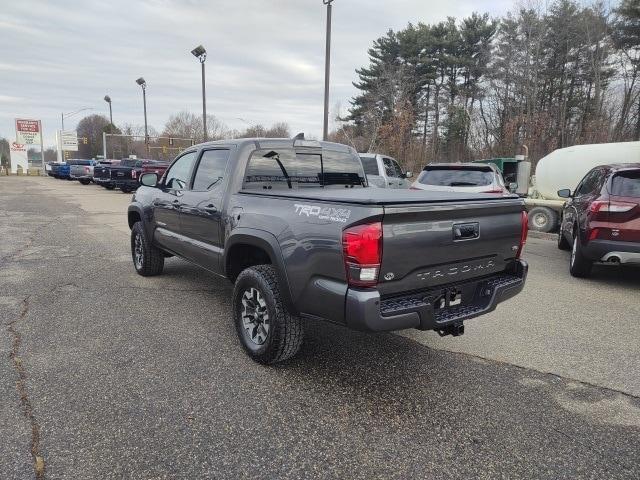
x,y
626,184
456,177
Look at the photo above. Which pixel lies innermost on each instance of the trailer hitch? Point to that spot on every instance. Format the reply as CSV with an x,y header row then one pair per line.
x,y
456,330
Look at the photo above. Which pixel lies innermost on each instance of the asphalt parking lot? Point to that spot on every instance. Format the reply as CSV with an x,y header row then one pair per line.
x,y
106,374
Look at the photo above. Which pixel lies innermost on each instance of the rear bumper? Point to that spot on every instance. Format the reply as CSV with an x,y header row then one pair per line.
x,y
129,183
366,310
608,251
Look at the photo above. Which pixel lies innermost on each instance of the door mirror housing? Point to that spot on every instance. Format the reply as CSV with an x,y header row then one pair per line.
x,y
512,187
564,193
408,175
149,179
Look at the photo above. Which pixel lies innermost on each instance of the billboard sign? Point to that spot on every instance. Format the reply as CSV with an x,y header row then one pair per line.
x,y
69,140
19,157
28,132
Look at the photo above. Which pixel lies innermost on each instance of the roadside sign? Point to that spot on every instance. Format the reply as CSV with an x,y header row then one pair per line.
x,y
19,157
28,132
69,140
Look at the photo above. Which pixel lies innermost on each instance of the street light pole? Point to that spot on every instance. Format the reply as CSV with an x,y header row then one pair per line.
x,y
143,84
107,99
201,54
327,68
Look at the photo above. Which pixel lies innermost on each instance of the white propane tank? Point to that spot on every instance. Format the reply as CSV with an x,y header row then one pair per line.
x,y
565,167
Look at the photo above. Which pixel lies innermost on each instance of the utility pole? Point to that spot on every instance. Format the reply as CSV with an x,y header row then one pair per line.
x,y
107,99
327,68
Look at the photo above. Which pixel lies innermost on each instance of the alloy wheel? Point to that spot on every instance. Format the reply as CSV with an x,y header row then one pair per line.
x,y
138,252
255,316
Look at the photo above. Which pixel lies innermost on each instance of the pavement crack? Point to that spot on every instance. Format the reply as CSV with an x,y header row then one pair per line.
x,y
21,387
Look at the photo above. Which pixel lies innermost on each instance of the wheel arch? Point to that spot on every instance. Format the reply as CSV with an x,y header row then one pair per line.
x,y
254,240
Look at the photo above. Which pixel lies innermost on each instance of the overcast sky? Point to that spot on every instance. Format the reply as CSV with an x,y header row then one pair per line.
x,y
265,57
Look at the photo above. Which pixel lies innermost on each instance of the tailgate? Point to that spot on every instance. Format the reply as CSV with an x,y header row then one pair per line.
x,y
103,173
121,173
437,244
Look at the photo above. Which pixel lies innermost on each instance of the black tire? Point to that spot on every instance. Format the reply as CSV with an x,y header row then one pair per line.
x,y
542,219
109,187
151,259
579,265
85,181
125,189
563,243
284,335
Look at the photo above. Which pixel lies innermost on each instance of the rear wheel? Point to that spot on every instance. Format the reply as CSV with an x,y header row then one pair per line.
x,y
579,265
85,181
267,331
542,219
148,260
109,187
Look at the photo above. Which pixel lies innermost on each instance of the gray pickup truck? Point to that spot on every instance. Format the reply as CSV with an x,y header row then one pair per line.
x,y
294,226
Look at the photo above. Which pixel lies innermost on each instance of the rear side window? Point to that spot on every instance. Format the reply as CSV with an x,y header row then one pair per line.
x,y
456,177
211,169
370,165
626,184
288,169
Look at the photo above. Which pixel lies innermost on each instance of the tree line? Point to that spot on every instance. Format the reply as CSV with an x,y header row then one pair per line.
x,y
481,87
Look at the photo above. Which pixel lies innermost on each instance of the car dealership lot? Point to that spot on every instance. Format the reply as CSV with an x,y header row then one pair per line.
x,y
137,377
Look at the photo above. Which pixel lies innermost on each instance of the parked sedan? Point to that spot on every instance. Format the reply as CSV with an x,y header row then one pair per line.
x,y
601,218
460,177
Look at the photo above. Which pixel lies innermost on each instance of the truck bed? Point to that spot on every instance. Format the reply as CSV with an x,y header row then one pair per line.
x,y
383,196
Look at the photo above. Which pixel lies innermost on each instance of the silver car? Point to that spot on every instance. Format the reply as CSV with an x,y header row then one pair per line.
x,y
383,171
460,177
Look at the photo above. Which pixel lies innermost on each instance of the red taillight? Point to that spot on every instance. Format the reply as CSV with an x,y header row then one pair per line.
x,y
133,174
86,170
610,207
524,230
593,234
362,249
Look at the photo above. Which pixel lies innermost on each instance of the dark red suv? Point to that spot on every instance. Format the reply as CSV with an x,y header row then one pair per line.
x,y
601,219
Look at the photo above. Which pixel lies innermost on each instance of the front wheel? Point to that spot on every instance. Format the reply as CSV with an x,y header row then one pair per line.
x,y
148,260
579,265
267,331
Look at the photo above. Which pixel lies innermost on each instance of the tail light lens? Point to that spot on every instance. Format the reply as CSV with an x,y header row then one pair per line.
x,y
610,207
362,249
133,174
524,230
86,170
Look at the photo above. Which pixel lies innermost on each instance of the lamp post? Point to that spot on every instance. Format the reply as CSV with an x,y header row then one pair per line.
x,y
107,99
143,84
327,67
201,54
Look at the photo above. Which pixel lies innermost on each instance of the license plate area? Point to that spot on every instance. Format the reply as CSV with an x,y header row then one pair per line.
x,y
449,297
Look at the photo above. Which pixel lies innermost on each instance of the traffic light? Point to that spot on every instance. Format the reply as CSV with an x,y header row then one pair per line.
x,y
171,141
85,140
164,149
66,154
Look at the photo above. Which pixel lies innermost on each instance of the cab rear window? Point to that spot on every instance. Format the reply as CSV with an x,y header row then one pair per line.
x,y
626,184
287,169
452,177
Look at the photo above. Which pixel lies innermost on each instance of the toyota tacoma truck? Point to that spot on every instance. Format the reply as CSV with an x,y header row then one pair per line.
x,y
294,226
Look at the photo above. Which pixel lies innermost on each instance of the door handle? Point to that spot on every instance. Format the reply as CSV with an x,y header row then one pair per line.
x,y
210,208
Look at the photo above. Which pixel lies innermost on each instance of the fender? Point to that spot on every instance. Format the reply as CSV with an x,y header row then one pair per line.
x,y
269,243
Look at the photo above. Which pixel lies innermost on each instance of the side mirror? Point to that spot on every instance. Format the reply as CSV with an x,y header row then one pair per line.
x,y
408,175
149,179
512,187
564,193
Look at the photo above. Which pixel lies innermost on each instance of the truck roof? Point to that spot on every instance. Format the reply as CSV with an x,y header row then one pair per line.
x,y
276,143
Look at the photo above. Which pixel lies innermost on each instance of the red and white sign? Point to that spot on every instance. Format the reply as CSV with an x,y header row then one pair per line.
x,y
28,131
19,157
